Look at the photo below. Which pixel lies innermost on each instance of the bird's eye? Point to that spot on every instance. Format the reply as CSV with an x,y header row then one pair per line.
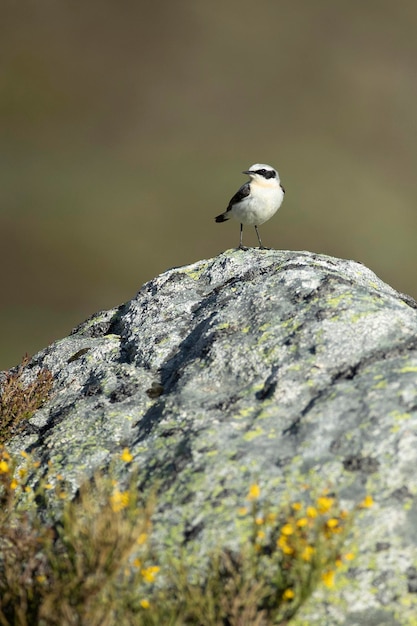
x,y
262,171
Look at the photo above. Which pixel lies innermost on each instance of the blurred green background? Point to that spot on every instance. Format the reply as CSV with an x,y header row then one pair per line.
x,y
125,126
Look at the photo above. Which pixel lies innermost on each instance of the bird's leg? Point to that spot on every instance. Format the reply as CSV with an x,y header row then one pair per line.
x,y
241,246
261,247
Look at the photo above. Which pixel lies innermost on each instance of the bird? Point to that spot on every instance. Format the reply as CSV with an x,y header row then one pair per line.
x,y
256,201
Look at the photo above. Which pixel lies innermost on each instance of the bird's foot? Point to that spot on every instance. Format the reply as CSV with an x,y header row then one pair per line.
x,y
264,248
243,247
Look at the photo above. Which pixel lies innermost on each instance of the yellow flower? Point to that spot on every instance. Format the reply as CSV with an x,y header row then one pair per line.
x,y
254,492
303,521
271,517
260,535
145,604
287,529
13,484
333,522
41,578
324,504
349,556
49,486
297,506
142,538
259,521
288,594
307,553
22,472
126,456
24,454
119,500
328,578
149,573
4,467
242,511
282,543
311,512
366,502
137,563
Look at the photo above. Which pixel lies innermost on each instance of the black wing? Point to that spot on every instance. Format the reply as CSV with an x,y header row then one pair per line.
x,y
242,193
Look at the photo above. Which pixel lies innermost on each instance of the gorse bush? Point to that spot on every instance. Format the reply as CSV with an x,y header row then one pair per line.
x,y
75,568
94,561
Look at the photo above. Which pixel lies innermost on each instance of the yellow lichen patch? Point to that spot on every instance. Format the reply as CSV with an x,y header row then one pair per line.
x,y
398,416
408,369
245,412
253,434
222,326
194,273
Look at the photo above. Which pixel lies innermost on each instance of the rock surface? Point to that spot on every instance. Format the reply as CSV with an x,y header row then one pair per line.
x,y
268,366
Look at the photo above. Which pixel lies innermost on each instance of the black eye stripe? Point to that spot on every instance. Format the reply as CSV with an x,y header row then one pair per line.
x,y
266,173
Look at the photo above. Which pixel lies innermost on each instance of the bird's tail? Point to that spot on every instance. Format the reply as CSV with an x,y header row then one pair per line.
x,y
223,217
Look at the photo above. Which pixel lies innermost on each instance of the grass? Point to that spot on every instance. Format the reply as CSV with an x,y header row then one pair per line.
x,y
94,561
20,399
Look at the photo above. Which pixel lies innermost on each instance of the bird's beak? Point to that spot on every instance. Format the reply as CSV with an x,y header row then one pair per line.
x,y
248,172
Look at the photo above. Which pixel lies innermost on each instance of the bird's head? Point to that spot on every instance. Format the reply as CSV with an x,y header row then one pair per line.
x,y
262,173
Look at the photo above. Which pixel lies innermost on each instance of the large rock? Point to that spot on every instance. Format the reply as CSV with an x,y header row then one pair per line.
x,y
267,366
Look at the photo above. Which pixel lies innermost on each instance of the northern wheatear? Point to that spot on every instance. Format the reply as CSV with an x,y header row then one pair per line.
x,y
257,200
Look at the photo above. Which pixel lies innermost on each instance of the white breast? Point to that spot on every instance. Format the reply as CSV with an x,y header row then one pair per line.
x,y
262,203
